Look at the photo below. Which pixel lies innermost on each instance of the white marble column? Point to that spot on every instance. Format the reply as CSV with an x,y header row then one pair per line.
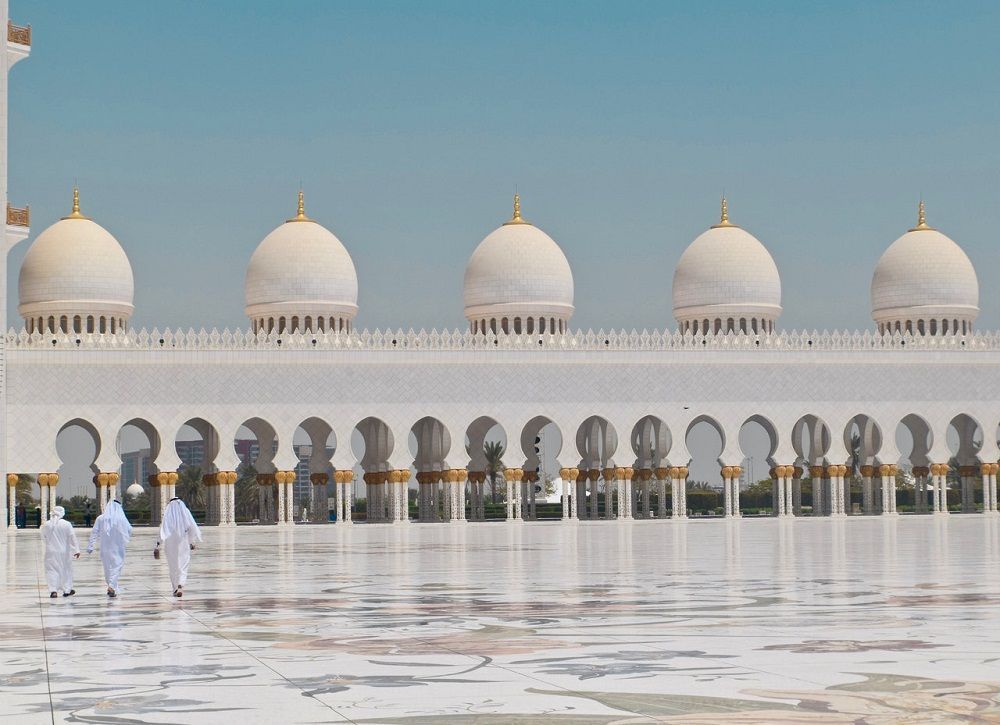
x,y
461,480
867,491
816,473
620,497
568,476
988,471
101,486
338,496
783,486
286,497
166,483
675,493
627,501
661,476
790,508
518,490
342,482
511,477
228,487
678,489
12,479
731,492
389,508
280,514
447,496
43,495
939,474
835,474
888,476
797,490
404,497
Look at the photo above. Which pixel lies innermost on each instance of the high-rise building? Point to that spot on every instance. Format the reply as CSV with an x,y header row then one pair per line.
x,y
136,467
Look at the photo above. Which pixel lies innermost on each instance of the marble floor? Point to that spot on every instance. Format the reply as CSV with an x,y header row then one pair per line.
x,y
810,620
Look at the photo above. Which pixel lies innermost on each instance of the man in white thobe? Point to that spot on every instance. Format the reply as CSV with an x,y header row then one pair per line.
x,y
111,532
61,548
178,535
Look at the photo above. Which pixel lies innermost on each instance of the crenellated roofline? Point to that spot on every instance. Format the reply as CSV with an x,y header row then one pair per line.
x,y
459,340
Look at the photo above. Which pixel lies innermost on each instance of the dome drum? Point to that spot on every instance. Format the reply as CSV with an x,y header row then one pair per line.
x,y
65,317
292,317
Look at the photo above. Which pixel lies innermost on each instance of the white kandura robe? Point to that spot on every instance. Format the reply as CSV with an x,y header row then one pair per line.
x,y
112,532
178,531
60,546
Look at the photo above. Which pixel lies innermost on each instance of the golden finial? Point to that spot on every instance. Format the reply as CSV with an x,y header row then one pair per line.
x,y
921,218
300,215
75,214
517,218
724,216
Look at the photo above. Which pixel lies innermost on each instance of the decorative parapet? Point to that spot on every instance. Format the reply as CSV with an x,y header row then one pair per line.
x,y
18,217
457,340
20,34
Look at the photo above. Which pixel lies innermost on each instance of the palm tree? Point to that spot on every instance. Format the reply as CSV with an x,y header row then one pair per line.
x,y
493,450
247,498
23,492
855,455
190,488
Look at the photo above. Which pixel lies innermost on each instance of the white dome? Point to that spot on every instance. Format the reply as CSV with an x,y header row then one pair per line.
x,y
518,271
726,273
75,268
301,269
135,489
924,276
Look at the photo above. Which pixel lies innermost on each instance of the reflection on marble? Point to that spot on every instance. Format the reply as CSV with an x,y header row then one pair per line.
x,y
759,620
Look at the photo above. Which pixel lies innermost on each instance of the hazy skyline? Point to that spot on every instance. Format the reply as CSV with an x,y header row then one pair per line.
x,y
189,128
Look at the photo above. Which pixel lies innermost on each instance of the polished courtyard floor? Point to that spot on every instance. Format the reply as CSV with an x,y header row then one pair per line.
x,y
856,620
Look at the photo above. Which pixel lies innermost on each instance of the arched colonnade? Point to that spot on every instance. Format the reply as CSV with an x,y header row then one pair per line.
x,y
641,468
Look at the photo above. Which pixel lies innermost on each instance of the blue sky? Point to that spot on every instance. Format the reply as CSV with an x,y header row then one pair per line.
x,y
189,127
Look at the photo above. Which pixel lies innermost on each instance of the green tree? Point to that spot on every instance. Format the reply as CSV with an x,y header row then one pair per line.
x,y
246,494
136,504
190,488
493,450
24,492
73,503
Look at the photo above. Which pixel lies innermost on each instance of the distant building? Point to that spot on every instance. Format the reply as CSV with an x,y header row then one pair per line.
x,y
136,467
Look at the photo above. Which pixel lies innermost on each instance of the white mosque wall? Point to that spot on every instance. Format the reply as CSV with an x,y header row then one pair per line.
x,y
227,378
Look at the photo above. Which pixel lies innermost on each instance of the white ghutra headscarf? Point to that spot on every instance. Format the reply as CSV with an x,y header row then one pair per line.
x,y
178,521
117,522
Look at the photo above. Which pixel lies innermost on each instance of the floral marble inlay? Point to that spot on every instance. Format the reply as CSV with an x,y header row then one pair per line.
x,y
755,621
